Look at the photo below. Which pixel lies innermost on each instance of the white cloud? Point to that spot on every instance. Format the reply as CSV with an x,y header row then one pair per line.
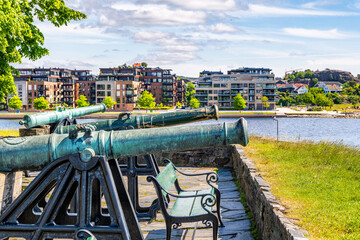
x,y
315,33
219,27
152,14
335,62
217,5
256,10
320,3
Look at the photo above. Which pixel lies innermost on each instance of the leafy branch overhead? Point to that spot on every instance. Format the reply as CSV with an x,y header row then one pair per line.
x,y
21,38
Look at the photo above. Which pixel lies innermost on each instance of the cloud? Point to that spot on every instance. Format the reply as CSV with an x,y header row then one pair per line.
x,y
257,10
150,14
315,33
319,3
335,62
216,5
219,27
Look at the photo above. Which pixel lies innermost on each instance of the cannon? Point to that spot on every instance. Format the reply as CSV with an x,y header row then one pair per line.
x,y
45,118
81,166
125,121
25,153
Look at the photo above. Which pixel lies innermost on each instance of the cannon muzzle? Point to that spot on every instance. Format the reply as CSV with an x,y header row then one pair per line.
x,y
35,152
125,121
30,121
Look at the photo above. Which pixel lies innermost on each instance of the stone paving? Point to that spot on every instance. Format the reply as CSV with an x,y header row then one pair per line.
x,y
237,224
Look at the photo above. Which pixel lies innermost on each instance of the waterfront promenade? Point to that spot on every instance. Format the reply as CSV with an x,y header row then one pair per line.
x,y
237,224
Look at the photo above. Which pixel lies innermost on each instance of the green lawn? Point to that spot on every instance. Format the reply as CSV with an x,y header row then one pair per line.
x,y
8,133
318,183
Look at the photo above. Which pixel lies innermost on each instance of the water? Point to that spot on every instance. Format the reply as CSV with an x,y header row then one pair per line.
x,y
346,131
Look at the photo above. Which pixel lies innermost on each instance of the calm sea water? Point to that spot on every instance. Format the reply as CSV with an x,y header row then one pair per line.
x,y
346,131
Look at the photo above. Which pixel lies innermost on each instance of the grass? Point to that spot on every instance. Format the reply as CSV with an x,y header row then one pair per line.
x,y
318,183
9,133
342,107
242,112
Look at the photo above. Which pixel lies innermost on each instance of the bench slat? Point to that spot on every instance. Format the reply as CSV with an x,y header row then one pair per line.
x,y
167,177
197,208
182,207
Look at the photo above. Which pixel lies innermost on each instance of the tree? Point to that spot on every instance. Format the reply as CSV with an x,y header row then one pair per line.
x,y
146,100
239,102
190,91
82,101
15,102
308,73
315,91
194,103
354,99
313,82
109,102
41,103
265,102
300,75
144,64
290,77
307,98
178,104
322,100
20,38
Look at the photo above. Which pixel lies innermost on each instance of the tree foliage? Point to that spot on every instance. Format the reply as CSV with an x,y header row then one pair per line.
x,y
239,102
20,38
41,103
82,101
190,91
322,100
194,103
144,64
313,82
265,102
146,100
109,102
178,104
354,99
15,102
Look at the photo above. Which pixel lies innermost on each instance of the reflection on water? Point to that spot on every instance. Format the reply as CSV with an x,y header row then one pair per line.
x,y
329,129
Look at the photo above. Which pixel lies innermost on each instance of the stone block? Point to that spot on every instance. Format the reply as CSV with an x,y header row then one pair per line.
x,y
43,130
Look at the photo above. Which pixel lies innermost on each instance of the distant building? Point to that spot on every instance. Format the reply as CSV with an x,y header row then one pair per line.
x,y
329,87
252,83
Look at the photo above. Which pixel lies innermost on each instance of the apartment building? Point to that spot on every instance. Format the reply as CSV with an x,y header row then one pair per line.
x,y
252,83
125,93
161,83
51,91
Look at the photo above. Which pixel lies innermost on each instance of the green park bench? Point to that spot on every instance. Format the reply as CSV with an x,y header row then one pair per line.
x,y
189,206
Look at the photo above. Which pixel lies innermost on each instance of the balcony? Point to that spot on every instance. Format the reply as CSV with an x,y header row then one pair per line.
x,y
200,94
224,101
224,94
168,90
269,87
269,94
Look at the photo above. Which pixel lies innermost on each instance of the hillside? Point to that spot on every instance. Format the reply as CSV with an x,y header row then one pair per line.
x,y
334,75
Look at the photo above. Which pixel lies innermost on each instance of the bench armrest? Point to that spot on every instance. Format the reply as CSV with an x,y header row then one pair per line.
x,y
211,177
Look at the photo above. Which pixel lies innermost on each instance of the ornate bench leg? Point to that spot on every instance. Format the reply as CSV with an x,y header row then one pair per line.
x,y
218,198
168,230
215,228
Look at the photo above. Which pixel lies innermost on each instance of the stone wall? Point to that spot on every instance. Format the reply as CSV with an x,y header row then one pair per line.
x,y
271,223
215,157
267,211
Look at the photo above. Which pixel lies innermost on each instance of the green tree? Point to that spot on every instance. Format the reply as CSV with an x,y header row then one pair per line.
x,y
146,100
315,91
308,74
109,102
41,103
307,98
20,38
300,75
239,102
194,103
322,100
82,101
265,102
144,64
190,91
15,102
354,99
291,78
178,104
313,82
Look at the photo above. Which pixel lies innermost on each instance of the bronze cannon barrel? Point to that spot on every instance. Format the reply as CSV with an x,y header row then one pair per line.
x,y
44,118
153,120
35,152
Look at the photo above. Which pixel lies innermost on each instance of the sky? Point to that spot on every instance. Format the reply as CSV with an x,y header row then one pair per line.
x,y
189,36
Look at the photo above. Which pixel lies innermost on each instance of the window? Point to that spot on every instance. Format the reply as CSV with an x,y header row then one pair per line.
x,y
224,85
217,85
118,87
29,87
123,86
118,94
109,87
109,93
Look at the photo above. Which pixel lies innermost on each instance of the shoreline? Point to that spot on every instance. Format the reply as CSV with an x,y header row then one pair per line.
x,y
221,115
